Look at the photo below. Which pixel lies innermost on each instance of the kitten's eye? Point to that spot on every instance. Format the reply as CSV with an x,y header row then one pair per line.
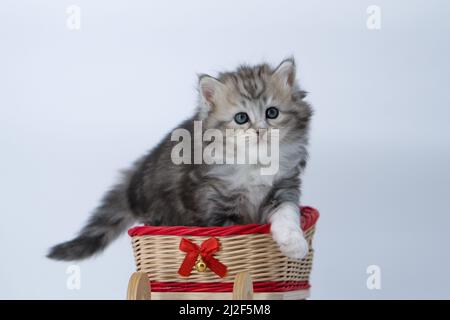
x,y
272,113
241,118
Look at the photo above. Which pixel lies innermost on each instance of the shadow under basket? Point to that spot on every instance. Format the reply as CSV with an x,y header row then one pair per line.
x,y
233,262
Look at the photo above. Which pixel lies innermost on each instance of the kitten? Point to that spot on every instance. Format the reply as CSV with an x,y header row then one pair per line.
x,y
156,191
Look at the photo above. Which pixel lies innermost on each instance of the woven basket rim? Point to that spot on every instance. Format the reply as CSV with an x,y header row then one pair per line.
x,y
309,217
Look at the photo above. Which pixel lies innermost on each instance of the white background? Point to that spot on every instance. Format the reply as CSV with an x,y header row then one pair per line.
x,y
77,106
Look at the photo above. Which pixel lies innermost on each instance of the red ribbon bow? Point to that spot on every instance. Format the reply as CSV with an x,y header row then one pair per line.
x,y
206,251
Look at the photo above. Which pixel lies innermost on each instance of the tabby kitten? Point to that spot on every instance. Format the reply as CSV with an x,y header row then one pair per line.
x,y
156,191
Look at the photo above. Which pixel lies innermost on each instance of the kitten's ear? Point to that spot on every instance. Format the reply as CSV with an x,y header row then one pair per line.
x,y
285,72
210,88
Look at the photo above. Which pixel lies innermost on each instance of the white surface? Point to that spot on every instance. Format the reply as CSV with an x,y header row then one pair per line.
x,y
77,106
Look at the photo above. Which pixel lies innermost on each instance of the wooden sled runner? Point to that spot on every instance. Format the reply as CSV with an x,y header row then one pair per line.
x,y
139,289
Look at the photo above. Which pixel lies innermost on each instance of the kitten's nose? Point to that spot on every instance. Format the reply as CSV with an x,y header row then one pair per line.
x,y
261,129
260,126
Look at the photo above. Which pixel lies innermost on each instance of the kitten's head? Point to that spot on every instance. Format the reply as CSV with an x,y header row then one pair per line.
x,y
252,98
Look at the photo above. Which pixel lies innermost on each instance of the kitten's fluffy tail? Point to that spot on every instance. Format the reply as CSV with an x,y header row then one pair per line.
x,y
110,219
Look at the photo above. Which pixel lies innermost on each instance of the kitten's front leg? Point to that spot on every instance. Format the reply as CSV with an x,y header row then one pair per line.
x,y
286,230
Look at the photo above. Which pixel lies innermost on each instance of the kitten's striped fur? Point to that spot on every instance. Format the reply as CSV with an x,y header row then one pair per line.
x,y
155,191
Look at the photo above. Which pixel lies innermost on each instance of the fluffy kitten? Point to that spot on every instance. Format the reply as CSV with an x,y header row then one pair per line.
x,y
155,191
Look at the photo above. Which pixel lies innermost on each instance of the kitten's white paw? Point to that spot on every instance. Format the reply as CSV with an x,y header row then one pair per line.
x,y
286,231
291,241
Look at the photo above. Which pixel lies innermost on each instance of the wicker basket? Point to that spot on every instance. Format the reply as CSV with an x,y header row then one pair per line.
x,y
248,251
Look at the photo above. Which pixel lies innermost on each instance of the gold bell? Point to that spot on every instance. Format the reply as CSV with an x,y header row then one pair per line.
x,y
200,265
